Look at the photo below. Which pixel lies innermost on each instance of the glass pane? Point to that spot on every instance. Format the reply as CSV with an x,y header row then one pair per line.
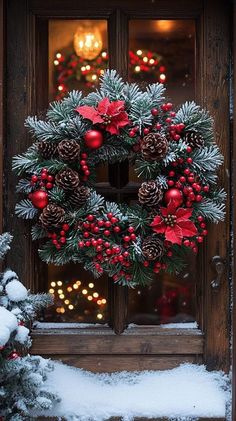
x,y
77,58
77,296
164,51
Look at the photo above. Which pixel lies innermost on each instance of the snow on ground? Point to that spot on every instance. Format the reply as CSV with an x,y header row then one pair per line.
x,y
186,391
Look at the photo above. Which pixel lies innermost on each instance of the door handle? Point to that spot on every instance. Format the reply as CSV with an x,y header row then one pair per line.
x,y
219,267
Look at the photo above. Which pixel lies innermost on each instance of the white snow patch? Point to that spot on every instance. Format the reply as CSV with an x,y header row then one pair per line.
x,y
187,391
16,291
48,325
187,325
7,319
4,336
8,274
22,334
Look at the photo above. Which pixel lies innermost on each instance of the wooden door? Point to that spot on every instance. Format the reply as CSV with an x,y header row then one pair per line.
x,y
114,347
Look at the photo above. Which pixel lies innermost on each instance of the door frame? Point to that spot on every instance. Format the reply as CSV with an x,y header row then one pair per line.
x,y
213,94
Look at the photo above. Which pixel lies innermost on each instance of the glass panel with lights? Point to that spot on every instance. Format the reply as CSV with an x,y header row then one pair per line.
x,y
77,58
164,51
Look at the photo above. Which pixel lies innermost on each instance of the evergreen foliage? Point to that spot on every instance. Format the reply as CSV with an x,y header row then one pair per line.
x,y
22,377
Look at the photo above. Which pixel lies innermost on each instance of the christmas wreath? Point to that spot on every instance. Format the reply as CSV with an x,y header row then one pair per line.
x,y
174,155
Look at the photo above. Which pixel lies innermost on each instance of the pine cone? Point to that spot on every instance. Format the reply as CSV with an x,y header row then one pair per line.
x,y
152,248
150,193
67,179
47,149
194,139
154,147
69,150
80,196
52,217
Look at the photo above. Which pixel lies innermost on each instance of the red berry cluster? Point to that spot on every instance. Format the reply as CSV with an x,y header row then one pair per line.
x,y
94,230
158,266
58,239
45,179
84,166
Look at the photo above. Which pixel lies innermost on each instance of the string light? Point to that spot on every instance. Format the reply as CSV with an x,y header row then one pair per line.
x,y
53,284
145,59
137,69
94,297
58,55
56,62
139,52
162,77
51,291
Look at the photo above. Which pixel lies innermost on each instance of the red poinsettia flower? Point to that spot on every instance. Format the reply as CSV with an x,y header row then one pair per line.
x,y
111,114
174,223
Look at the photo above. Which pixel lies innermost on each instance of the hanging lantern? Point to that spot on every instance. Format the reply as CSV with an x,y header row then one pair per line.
x,y
87,42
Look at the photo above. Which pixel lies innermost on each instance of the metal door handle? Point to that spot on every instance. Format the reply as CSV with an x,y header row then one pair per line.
x,y
219,266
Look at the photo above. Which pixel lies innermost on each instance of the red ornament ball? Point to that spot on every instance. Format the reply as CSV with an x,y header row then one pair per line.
x,y
39,198
13,355
93,139
174,194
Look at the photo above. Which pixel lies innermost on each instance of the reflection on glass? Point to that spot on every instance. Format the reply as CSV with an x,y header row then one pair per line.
x,y
77,297
77,55
164,52
168,299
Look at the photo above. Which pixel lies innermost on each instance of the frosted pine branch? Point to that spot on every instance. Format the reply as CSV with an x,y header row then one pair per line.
x,y
140,110
211,210
196,119
156,93
44,130
207,159
24,209
112,85
5,241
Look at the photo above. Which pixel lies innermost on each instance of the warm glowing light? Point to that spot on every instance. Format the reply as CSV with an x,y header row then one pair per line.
x,y
162,77
62,296
83,68
104,301
104,54
89,297
62,310
94,77
56,62
60,88
59,283
58,55
88,67
99,302
87,42
99,316
101,72
60,291
139,52
75,286
67,302
145,59
70,307
137,69
69,289
151,61
53,284
95,295
84,291
91,285
78,282
58,310
165,25
51,291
